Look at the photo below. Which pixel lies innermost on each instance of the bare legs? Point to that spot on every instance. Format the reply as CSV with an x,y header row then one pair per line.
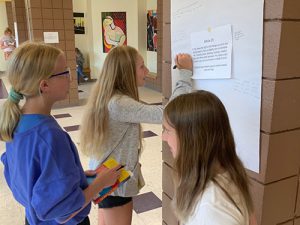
x,y
121,215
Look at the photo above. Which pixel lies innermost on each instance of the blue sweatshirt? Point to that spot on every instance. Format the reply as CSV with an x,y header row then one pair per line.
x,y
43,170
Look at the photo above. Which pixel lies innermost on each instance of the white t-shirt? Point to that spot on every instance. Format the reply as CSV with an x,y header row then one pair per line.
x,y
8,42
215,208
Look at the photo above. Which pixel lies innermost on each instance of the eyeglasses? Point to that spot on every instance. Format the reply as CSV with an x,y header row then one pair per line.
x,y
62,73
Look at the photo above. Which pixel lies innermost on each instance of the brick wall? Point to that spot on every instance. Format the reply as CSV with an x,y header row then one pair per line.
x,y
49,16
19,16
276,189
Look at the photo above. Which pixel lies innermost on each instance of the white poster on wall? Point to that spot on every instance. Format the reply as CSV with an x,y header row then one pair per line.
x,y
233,69
211,52
51,37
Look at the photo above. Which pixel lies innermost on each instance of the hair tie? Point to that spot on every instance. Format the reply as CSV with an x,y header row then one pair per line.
x,y
15,96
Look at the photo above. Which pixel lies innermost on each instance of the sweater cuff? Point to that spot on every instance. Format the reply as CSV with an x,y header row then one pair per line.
x,y
185,75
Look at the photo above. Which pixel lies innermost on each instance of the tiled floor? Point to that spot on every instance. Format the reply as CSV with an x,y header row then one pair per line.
x,y
147,205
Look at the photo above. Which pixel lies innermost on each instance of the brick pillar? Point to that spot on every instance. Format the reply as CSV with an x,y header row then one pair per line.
x,y
19,17
276,189
56,16
164,63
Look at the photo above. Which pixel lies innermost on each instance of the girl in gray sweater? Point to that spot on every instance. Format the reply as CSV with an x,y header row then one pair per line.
x,y
112,120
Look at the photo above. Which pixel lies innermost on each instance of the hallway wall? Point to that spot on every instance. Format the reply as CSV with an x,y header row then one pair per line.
x,y
82,40
90,43
95,7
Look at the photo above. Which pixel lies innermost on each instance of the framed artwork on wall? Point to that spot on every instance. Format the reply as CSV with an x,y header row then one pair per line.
x,y
152,30
78,19
114,30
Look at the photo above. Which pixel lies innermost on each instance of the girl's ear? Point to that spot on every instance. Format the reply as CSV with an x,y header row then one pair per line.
x,y
44,86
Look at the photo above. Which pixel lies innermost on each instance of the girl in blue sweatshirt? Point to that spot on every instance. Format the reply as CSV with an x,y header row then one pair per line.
x,y
41,163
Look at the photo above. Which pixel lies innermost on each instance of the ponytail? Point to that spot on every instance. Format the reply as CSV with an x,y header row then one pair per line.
x,y
10,114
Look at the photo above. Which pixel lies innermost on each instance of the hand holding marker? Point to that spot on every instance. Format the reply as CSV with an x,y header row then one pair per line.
x,y
176,61
183,61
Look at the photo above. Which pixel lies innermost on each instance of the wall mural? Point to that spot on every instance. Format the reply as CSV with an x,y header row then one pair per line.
x,y
114,31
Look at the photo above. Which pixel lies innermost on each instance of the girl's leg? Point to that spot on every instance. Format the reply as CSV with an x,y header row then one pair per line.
x,y
101,217
120,215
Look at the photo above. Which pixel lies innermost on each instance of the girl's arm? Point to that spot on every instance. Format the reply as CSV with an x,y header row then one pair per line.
x,y
184,63
125,109
106,178
58,192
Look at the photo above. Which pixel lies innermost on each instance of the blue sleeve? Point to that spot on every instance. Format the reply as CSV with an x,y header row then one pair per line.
x,y
57,193
6,174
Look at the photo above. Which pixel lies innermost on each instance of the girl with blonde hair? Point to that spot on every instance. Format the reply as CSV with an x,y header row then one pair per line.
x,y
211,184
112,120
41,163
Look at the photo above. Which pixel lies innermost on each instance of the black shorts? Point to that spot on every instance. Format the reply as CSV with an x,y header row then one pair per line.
x,y
86,221
114,201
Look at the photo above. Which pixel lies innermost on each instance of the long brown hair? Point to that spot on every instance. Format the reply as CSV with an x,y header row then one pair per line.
x,y
205,140
118,75
28,65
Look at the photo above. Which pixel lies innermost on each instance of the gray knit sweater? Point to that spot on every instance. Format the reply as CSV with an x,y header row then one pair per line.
x,y
125,115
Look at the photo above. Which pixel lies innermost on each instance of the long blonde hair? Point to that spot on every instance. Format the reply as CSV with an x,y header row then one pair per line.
x,y
205,140
118,75
29,64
